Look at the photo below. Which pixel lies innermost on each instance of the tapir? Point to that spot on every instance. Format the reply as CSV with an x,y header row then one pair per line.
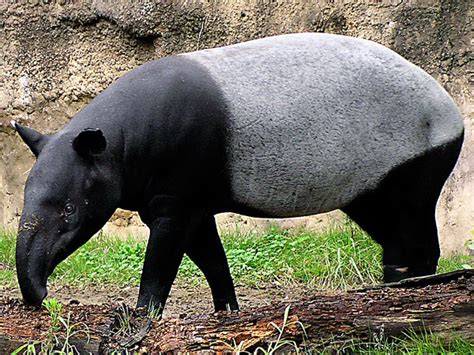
x,y
283,126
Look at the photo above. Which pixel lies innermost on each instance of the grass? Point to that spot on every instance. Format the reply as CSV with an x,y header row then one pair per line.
x,y
7,258
340,258
410,342
336,259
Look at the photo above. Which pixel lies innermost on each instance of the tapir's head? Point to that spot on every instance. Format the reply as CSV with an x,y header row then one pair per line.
x,y
69,195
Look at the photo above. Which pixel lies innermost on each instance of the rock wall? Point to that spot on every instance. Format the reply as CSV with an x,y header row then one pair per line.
x,y
57,55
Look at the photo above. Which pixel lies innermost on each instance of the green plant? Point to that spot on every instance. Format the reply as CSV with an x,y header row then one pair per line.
x,y
455,262
123,326
28,348
59,335
154,312
281,342
61,331
7,258
339,258
409,342
63,341
54,308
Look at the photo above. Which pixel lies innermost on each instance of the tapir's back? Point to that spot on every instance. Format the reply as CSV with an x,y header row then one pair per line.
x,y
316,119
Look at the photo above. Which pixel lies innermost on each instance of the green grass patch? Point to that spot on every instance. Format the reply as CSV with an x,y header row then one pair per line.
x,y
336,259
7,258
340,258
410,342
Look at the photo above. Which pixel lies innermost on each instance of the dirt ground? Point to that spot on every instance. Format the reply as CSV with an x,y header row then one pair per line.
x,y
96,305
184,300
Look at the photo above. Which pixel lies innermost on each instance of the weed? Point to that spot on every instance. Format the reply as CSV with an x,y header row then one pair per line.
x,y
60,333
54,308
410,342
154,312
455,262
280,344
131,326
28,348
70,331
123,326
338,258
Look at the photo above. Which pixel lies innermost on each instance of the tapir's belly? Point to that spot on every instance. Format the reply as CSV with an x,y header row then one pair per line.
x,y
316,120
279,179
296,169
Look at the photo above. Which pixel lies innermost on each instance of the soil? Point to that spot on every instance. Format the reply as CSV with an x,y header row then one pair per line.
x,y
184,300
97,307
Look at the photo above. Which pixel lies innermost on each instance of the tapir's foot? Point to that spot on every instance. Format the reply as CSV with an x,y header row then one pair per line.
x,y
226,304
152,307
395,273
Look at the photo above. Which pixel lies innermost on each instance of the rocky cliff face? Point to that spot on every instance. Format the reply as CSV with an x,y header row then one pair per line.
x,y
57,55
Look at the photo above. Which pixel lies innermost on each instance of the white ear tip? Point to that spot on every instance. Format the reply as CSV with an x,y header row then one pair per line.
x,y
13,123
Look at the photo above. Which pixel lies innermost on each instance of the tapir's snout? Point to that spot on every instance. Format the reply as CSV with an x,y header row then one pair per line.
x,y
32,282
32,265
33,295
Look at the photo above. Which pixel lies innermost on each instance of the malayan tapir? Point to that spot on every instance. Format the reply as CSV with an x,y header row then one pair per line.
x,y
283,126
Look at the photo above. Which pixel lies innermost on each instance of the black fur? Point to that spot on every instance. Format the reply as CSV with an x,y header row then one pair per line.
x,y
400,213
165,130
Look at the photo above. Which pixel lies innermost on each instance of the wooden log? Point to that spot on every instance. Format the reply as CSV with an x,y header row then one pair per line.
x,y
442,304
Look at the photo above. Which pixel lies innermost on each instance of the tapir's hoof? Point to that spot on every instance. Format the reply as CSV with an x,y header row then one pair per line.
x,y
395,273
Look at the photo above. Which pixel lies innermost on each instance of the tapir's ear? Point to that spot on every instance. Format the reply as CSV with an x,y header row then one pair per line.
x,y
89,141
33,139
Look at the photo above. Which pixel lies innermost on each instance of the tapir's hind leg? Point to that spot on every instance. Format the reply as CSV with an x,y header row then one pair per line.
x,y
207,252
407,232
400,213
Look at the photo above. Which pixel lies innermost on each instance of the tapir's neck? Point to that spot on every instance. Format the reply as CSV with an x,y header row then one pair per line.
x,y
125,156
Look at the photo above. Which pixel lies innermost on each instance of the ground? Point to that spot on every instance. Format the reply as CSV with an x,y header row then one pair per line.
x,y
184,299
93,306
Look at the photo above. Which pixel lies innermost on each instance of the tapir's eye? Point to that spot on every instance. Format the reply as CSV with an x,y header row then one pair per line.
x,y
69,209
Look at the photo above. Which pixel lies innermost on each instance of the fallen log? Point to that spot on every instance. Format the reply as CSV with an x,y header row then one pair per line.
x,y
442,304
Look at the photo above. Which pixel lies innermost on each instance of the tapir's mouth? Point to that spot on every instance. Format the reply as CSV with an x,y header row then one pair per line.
x,y
35,297
34,289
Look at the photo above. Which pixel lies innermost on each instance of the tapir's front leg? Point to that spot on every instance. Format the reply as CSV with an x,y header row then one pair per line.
x,y
171,227
163,256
